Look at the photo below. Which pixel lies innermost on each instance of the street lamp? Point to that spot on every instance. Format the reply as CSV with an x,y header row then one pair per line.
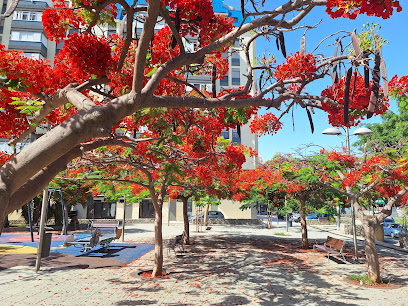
x,y
360,131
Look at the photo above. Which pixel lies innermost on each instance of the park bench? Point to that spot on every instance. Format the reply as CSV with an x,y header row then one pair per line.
x,y
88,243
323,219
176,242
331,246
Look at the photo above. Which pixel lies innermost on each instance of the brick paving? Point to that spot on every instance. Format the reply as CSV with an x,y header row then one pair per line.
x,y
227,265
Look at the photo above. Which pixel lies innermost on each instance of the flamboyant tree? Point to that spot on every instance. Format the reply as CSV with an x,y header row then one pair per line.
x,y
275,182
178,147
363,181
145,75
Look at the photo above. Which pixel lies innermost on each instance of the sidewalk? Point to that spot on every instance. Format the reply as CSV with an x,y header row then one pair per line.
x,y
226,265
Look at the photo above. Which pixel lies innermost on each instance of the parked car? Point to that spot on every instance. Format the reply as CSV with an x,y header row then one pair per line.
x,y
392,229
316,215
295,217
388,220
212,214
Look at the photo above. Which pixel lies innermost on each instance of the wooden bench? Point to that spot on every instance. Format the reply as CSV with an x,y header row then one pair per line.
x,y
323,220
175,242
331,246
104,224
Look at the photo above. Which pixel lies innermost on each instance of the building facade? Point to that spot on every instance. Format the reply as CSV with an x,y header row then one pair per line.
x,y
24,30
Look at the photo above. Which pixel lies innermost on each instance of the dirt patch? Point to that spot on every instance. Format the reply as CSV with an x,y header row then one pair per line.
x,y
379,286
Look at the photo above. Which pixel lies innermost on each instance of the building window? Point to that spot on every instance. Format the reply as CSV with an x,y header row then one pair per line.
x,y
36,56
224,82
235,74
225,133
236,139
235,59
27,16
28,36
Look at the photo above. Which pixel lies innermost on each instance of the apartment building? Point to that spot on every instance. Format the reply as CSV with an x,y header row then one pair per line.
x,y
24,30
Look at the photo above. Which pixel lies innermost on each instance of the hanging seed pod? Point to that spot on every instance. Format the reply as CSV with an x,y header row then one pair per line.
x,y
242,8
355,40
376,85
277,43
309,115
303,45
383,69
354,85
335,77
177,25
282,43
347,95
213,83
366,71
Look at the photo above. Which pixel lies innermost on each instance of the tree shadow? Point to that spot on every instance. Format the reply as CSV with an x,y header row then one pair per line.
x,y
242,270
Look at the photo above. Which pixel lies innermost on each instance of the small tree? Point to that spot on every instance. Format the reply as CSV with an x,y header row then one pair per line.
x,y
361,181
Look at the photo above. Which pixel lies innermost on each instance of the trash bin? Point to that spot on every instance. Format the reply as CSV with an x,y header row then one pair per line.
x,y
46,245
289,223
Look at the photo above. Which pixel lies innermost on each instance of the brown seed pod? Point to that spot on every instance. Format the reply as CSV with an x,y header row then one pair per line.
x,y
347,95
303,45
282,43
355,40
309,115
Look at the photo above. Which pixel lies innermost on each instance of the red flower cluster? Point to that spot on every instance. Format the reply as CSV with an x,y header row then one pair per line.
x,y
352,8
297,65
4,157
58,19
359,101
399,85
343,159
265,124
86,53
351,178
234,155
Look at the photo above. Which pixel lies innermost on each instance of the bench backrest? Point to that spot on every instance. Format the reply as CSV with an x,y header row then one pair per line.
x,y
105,224
334,243
180,238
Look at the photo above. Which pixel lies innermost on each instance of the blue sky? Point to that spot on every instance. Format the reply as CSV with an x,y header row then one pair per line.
x,y
395,54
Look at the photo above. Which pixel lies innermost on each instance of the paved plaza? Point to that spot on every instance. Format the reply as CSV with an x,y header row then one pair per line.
x,y
225,265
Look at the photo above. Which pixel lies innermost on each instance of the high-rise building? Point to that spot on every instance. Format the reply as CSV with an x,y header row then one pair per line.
x,y
24,30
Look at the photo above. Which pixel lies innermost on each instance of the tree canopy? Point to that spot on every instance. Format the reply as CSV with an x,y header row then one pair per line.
x,y
98,84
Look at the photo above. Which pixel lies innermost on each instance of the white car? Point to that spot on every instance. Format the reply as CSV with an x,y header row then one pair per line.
x,y
294,217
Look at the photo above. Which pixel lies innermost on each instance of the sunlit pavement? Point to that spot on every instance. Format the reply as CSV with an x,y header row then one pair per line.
x,y
225,265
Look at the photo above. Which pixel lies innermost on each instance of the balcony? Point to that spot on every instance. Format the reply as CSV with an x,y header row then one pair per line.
x,y
26,25
28,46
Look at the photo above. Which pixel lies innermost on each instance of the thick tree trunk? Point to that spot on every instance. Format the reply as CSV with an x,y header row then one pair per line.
x,y
207,209
185,219
303,224
371,251
158,248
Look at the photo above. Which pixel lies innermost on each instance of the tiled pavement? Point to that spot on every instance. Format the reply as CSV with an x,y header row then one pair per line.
x,y
227,265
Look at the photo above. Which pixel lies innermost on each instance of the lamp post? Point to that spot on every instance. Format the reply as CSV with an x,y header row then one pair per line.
x,y
360,131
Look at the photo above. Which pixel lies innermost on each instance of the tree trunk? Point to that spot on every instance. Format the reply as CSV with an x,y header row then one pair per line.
x,y
371,252
158,241
207,209
185,219
378,232
268,219
305,242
